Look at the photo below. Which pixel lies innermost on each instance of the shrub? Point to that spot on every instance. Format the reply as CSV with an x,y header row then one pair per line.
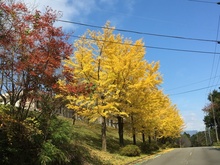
x,y
149,147
17,138
58,146
166,145
25,143
130,150
145,148
216,144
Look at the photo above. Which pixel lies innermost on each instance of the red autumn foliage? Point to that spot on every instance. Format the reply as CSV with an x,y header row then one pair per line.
x,y
77,89
31,51
72,86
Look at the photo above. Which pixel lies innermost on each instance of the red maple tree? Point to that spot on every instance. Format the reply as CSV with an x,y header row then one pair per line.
x,y
31,54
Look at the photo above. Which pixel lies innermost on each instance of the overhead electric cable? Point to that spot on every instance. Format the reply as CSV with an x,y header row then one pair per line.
x,y
216,49
138,32
214,57
153,47
193,83
205,1
194,90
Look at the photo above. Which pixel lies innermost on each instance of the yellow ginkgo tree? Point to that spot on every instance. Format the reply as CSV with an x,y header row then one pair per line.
x,y
170,124
140,94
154,115
108,77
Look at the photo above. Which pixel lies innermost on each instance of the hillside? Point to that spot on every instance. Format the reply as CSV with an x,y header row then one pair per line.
x,y
88,146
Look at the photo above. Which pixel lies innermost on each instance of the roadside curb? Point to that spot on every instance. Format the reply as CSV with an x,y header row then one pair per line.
x,y
149,157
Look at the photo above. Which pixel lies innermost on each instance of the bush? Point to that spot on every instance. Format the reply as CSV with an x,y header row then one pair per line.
x,y
33,141
17,139
130,150
216,144
58,146
166,145
149,147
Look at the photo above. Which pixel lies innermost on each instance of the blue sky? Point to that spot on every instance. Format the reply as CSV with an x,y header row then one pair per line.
x,y
182,71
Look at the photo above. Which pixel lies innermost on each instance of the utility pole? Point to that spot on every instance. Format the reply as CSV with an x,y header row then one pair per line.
x,y
215,124
210,138
218,42
206,141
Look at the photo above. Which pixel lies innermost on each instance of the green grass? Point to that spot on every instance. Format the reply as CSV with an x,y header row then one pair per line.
x,y
87,141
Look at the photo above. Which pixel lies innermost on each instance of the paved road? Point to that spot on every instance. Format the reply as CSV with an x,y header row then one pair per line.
x,y
187,156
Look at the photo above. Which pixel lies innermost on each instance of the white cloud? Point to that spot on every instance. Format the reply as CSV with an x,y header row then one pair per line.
x,y
79,10
193,121
70,9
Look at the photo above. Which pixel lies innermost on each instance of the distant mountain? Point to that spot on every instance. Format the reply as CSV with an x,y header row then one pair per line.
x,y
191,132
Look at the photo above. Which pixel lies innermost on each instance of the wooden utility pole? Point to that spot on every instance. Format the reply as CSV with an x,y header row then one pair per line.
x,y
215,124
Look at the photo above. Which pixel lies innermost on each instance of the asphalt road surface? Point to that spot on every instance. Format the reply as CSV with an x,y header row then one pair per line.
x,y
187,156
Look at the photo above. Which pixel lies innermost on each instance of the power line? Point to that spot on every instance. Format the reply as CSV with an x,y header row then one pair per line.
x,y
218,3
213,61
138,32
216,48
193,83
194,90
152,47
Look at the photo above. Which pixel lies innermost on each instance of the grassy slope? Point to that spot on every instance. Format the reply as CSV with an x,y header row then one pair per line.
x,y
87,137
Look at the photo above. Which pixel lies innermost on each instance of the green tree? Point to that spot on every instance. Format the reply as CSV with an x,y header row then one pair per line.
x,y
185,140
200,139
212,111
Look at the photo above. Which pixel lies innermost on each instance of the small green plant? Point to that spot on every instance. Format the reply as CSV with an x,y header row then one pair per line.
x,y
130,150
